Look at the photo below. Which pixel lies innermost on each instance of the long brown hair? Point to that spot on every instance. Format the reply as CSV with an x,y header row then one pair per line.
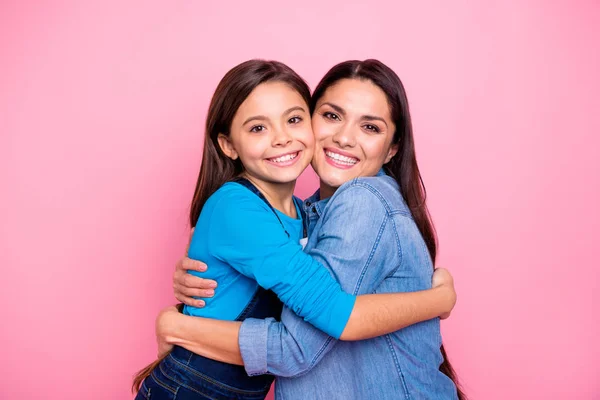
x,y
216,168
403,166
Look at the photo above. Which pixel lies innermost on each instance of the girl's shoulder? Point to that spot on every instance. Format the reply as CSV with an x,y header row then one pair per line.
x,y
233,195
233,190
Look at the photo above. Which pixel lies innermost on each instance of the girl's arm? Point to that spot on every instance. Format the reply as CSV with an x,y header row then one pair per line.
x,y
210,338
379,314
247,237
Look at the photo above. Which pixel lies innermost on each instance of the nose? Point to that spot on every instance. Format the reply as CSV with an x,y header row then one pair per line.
x,y
281,138
345,136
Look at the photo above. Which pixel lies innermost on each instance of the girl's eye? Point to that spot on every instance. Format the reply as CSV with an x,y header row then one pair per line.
x,y
330,115
257,128
371,128
294,120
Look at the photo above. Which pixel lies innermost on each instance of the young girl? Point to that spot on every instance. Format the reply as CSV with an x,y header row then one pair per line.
x,y
258,141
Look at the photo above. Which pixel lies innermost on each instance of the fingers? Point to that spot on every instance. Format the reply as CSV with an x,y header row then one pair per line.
x,y
186,263
189,281
187,286
200,293
193,265
189,301
194,292
441,276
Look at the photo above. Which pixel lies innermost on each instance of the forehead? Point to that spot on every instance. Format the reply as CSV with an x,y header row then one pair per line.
x,y
357,96
270,99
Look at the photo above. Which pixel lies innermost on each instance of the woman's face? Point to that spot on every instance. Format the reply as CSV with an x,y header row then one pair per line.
x,y
271,134
353,133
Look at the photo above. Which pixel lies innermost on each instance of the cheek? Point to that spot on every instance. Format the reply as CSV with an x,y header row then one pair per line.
x,y
322,130
375,150
252,148
308,137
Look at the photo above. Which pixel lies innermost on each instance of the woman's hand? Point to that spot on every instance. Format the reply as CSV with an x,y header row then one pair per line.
x,y
187,286
443,278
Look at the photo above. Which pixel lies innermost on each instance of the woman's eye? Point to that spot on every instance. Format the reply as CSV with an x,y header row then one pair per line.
x,y
257,128
330,115
294,120
372,128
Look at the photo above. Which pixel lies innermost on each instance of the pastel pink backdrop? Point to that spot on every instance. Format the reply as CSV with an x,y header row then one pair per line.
x,y
101,115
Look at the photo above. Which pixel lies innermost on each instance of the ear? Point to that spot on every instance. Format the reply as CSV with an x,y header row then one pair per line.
x,y
391,153
227,146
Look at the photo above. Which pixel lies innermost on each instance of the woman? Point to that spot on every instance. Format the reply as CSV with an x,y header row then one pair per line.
x,y
369,212
258,142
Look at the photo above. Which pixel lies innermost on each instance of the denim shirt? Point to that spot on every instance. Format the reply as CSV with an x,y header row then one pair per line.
x,y
365,235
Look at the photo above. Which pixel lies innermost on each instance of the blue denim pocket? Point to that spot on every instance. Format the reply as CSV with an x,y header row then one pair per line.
x,y
201,378
157,387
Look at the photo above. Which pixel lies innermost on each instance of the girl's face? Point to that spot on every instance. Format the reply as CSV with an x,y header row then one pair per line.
x,y
271,134
353,133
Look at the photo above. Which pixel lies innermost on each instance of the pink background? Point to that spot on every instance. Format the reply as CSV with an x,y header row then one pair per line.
x,y
101,115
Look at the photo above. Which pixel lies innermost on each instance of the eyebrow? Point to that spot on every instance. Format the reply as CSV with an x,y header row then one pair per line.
x,y
263,118
364,117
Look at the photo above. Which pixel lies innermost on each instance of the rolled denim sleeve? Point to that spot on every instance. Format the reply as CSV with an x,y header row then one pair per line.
x,y
253,344
354,254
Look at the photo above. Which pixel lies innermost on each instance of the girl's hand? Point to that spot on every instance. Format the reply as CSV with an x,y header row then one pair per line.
x,y
443,278
162,322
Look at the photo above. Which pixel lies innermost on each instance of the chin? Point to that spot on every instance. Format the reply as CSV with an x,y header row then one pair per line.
x,y
286,178
334,182
342,177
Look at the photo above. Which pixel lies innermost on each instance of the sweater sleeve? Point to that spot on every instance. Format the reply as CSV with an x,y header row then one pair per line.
x,y
250,238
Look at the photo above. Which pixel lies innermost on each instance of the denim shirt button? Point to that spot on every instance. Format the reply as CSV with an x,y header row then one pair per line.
x,y
314,209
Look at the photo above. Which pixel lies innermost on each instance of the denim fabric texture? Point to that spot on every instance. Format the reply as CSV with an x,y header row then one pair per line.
x,y
365,235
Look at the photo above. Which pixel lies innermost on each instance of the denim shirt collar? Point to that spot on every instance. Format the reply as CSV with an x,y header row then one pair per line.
x,y
316,205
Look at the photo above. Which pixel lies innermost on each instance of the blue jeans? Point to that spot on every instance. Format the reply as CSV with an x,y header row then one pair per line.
x,y
183,375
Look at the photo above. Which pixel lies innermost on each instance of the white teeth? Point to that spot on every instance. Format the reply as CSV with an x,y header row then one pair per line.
x,y
341,159
285,158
